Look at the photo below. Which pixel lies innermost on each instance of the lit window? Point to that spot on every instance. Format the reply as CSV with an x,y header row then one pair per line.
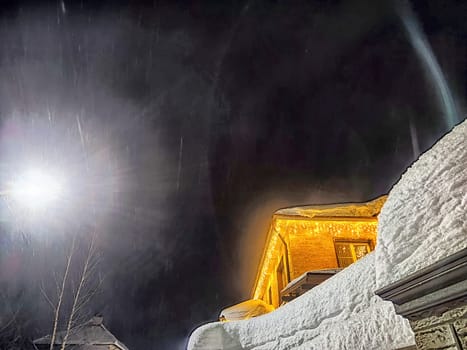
x,y
349,252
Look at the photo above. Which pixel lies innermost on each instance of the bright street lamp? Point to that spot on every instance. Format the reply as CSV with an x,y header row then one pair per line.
x,y
35,189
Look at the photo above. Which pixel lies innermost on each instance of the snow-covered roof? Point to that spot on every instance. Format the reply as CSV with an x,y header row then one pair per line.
x,y
424,218
367,209
92,332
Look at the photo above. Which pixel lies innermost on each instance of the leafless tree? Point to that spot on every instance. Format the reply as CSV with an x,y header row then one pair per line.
x,y
79,282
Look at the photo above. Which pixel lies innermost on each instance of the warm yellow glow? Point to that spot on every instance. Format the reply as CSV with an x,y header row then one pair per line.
x,y
289,225
313,229
368,209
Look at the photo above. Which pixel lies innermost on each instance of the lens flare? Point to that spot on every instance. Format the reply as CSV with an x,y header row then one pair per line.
x,y
36,188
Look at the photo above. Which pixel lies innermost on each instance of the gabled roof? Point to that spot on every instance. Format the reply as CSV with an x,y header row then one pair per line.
x,y
92,332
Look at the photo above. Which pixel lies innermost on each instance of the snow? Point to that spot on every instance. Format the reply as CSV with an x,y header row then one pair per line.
x,y
316,272
424,218
245,310
342,313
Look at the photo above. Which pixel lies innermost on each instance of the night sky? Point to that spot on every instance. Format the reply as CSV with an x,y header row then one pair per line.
x,y
181,127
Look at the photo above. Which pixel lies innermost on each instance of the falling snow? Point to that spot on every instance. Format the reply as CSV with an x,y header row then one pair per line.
x,y
176,128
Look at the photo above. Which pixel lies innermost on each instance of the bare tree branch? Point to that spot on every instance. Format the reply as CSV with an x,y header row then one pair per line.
x,y
62,292
82,282
46,297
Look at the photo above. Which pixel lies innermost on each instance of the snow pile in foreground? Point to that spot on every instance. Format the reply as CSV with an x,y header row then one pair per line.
x,y
424,218
342,313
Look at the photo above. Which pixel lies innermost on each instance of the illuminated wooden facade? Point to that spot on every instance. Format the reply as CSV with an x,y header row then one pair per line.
x,y
308,238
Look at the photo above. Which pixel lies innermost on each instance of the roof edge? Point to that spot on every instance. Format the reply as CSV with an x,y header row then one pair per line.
x,y
365,209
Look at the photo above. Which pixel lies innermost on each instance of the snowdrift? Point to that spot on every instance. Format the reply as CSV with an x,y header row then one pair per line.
x,y
342,313
424,218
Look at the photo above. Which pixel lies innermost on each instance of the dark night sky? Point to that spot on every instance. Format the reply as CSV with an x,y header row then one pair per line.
x,y
189,124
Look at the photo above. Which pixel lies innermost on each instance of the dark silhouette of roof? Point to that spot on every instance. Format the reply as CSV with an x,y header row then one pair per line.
x,y
92,332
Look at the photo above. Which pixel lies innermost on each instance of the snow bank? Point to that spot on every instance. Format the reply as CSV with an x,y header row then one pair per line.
x,y
342,313
424,218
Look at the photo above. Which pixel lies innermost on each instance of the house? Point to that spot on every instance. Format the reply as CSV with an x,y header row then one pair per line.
x,y
308,244
92,335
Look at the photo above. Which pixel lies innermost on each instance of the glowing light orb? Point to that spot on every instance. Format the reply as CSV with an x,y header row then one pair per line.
x,y
36,188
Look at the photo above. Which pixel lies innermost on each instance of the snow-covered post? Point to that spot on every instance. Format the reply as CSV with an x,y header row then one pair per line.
x,y
421,255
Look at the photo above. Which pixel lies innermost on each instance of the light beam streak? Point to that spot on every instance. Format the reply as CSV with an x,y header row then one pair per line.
x,y
430,63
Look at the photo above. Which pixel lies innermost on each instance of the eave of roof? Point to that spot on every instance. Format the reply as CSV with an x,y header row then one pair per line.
x,y
361,210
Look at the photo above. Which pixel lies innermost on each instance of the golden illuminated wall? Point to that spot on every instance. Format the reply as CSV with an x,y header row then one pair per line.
x,y
312,242
306,243
268,287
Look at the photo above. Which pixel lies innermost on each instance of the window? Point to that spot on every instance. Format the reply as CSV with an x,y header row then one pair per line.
x,y
349,252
